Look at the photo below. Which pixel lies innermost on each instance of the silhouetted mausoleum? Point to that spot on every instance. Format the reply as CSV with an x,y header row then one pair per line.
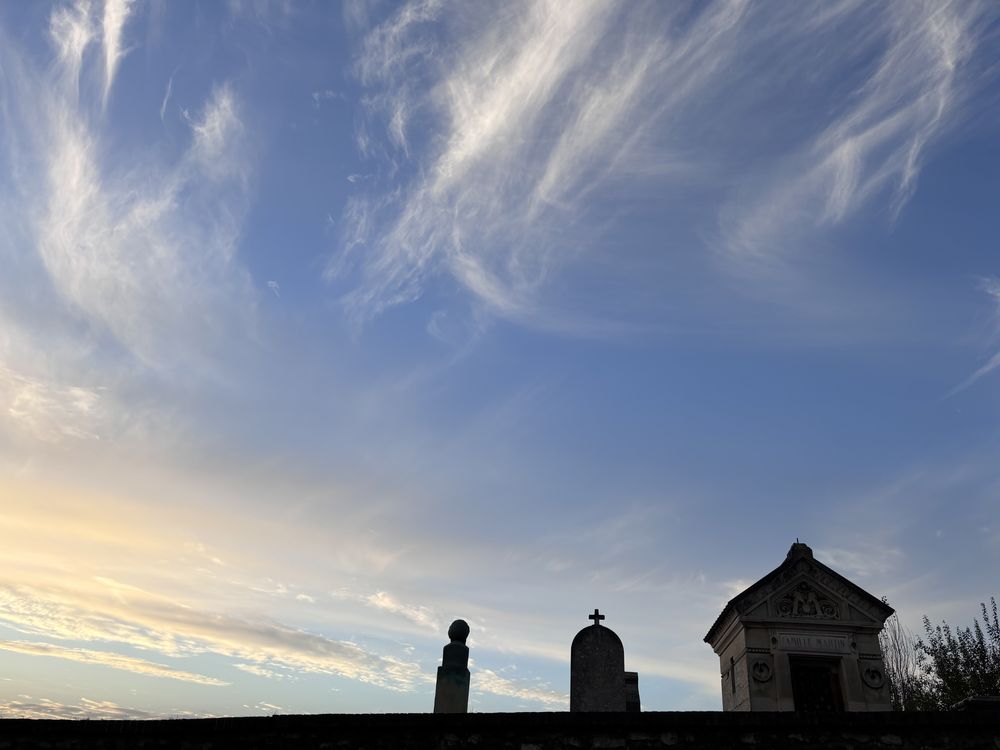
x,y
803,638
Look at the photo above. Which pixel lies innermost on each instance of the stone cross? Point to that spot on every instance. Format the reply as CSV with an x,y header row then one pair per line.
x,y
452,693
596,617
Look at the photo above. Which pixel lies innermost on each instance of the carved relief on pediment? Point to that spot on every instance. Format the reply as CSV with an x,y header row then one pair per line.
x,y
803,590
807,602
764,593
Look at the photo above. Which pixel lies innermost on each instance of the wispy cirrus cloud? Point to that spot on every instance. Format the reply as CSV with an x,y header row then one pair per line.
x,y
149,621
422,616
90,573
131,587
216,145
260,671
50,411
138,255
55,394
167,94
107,659
122,265
504,142
29,707
509,159
116,13
71,29
490,681
152,608
915,88
866,560
991,286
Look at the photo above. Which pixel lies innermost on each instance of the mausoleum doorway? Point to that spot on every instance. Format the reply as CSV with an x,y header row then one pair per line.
x,y
816,684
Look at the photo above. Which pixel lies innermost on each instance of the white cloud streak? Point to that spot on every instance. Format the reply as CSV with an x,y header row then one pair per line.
x,y
71,30
507,131
216,133
108,659
991,286
148,621
116,13
877,141
992,364
259,671
497,94
89,573
865,561
48,411
421,616
81,573
489,681
140,257
128,261
169,92
86,708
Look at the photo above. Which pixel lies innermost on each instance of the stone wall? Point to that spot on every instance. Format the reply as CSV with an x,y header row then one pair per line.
x,y
528,731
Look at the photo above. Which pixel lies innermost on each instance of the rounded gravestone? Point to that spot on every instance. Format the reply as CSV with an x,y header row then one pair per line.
x,y
597,669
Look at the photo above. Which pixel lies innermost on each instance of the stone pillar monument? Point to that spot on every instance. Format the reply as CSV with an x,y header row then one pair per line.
x,y
452,694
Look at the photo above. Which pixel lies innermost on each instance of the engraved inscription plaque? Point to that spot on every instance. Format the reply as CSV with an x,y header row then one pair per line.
x,y
829,644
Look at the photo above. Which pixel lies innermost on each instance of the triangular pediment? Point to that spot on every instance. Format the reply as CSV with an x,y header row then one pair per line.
x,y
807,590
803,590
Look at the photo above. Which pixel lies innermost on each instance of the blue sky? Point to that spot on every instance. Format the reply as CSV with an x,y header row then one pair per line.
x,y
323,325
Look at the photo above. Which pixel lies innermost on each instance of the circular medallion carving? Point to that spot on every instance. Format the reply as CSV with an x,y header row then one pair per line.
x,y
761,671
873,677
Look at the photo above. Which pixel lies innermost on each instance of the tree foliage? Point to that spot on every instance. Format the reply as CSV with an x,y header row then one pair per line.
x,y
946,666
906,680
963,662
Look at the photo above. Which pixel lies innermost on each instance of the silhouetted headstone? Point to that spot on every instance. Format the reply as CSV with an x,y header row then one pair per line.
x,y
632,704
452,694
597,669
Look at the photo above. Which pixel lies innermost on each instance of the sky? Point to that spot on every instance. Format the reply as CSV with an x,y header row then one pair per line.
x,y
325,324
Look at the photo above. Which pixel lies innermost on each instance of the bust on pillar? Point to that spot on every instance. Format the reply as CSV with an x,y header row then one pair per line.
x,y
452,694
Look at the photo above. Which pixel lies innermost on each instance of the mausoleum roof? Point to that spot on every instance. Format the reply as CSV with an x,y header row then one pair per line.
x,y
797,552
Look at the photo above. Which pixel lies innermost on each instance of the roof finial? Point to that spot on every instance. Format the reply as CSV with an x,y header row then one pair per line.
x,y
800,549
